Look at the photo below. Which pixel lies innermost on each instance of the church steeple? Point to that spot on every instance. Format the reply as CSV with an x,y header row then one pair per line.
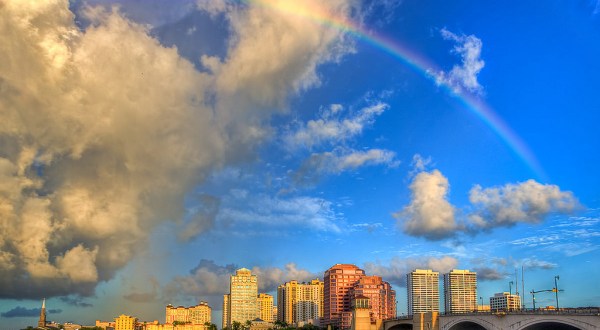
x,y
42,321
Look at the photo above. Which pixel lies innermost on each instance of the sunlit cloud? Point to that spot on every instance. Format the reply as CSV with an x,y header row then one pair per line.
x,y
105,131
464,76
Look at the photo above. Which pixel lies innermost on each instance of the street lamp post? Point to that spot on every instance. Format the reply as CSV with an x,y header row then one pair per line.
x,y
556,278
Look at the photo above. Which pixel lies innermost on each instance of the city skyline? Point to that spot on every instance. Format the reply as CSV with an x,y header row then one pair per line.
x,y
150,149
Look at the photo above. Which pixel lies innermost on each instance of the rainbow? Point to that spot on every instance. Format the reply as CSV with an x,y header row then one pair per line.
x,y
417,63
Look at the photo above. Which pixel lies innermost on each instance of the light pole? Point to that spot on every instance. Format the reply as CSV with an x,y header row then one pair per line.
x,y
556,278
481,308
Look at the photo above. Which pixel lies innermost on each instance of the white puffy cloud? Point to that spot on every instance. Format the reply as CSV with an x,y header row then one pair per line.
x,y
395,271
464,76
429,214
103,131
529,202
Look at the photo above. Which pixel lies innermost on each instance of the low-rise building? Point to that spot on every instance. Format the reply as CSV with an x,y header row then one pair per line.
x,y
505,301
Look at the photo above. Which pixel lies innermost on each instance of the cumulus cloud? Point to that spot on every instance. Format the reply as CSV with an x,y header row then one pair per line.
x,y
529,202
271,277
464,76
211,280
429,214
395,271
104,131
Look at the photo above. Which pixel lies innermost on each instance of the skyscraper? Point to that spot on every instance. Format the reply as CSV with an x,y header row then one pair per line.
x,y
460,291
242,302
300,302
423,291
382,299
337,303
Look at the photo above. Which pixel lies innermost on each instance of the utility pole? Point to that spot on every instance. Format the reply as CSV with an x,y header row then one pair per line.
x,y
556,278
533,292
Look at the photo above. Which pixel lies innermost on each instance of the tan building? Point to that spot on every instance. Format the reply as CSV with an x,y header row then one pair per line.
x,y
460,291
265,303
338,283
362,316
382,299
300,303
241,305
505,301
423,291
198,314
125,322
224,322
169,326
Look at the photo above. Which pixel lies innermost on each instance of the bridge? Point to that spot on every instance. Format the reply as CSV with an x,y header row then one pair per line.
x,y
522,320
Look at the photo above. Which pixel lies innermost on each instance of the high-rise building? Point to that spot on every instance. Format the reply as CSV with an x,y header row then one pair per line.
x,y
460,291
505,301
337,303
265,303
300,302
198,314
242,301
225,321
423,291
382,299
125,322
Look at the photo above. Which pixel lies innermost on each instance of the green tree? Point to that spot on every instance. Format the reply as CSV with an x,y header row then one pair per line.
x,y
235,325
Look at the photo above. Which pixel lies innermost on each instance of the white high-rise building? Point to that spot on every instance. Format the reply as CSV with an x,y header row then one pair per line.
x,y
460,291
505,301
423,291
242,302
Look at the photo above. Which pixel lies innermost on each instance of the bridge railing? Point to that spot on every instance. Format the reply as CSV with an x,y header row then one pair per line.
x,y
569,311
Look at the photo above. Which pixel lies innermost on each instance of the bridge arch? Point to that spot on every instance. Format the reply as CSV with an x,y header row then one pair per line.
x,y
466,325
461,324
402,326
552,324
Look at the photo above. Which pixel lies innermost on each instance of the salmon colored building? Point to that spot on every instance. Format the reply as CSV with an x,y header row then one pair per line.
x,y
382,299
338,287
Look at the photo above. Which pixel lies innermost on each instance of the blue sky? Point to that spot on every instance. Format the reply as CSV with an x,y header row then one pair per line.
x,y
147,149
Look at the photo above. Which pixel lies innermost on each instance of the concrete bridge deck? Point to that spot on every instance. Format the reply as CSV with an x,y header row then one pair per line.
x,y
522,320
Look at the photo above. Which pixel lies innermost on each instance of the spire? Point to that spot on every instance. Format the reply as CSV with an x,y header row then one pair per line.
x,y
42,321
